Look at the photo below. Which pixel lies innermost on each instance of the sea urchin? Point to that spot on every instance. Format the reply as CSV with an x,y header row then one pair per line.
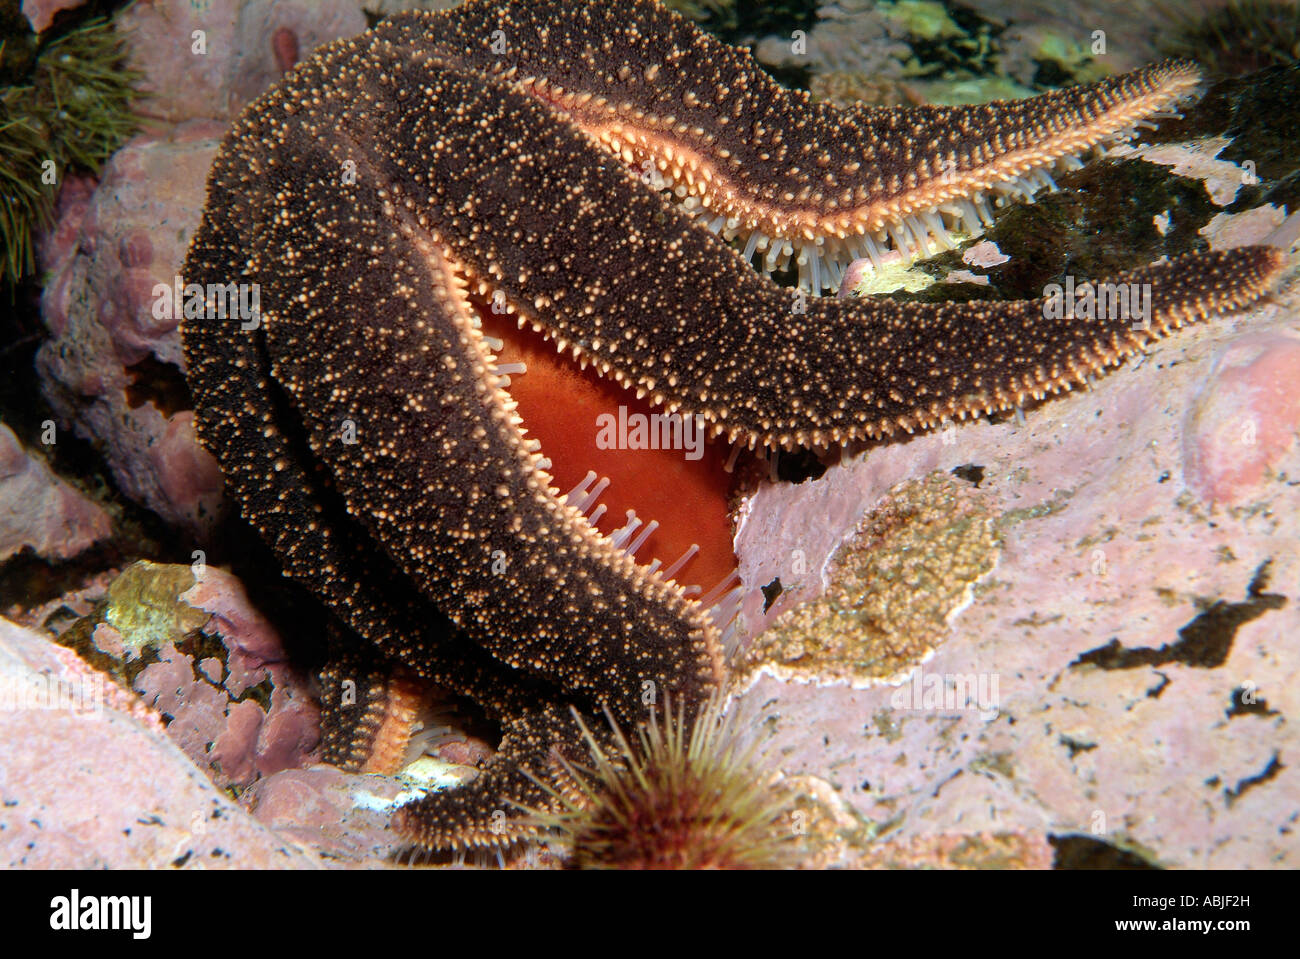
x,y
687,795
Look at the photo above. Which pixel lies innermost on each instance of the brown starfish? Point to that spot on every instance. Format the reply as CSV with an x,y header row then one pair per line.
x,y
394,185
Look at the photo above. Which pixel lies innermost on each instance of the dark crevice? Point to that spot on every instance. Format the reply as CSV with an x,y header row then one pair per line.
x,y
1075,746
1250,782
1156,691
1245,702
28,580
1204,642
1050,73
159,383
1076,851
771,592
797,466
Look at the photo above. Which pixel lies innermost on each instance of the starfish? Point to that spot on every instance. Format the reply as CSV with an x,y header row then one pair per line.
x,y
463,226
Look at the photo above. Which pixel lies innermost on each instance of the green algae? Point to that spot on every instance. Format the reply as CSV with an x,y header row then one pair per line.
x,y
887,726
66,103
923,19
144,605
1060,499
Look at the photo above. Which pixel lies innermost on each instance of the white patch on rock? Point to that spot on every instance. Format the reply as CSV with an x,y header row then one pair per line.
x,y
1228,230
966,276
984,254
1196,159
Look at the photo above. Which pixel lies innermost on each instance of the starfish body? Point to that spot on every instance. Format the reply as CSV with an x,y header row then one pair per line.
x,y
605,173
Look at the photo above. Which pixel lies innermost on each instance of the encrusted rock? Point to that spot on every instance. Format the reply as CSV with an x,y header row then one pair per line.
x,y
195,649
1245,418
897,581
40,511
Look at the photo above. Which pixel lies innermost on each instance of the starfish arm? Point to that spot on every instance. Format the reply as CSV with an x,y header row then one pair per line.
x,y
369,333
337,560
363,698
851,369
393,183
246,419
659,91
283,492
763,367
288,492
591,256
496,808
370,706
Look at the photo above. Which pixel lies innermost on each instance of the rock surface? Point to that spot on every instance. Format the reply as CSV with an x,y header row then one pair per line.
x,y
216,670
111,367
98,784
40,511
108,363
1139,634
241,48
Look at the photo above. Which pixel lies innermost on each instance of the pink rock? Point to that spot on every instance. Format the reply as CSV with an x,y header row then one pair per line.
x,y
343,814
854,273
290,736
40,13
1257,225
212,669
966,276
236,740
1244,418
467,752
235,748
1198,160
105,256
284,44
236,58
70,210
105,787
110,642
41,511
136,249
188,476
196,709
110,248
985,254
214,720
250,637
859,270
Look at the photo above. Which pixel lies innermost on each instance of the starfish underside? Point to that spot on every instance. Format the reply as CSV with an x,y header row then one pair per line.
x,y
609,172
